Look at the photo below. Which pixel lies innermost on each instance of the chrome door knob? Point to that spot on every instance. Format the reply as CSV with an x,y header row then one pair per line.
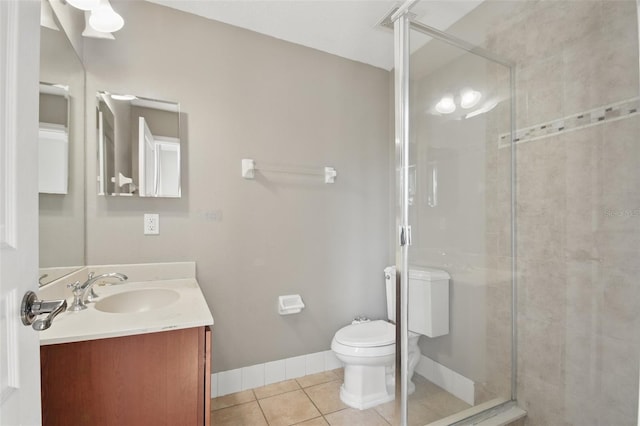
x,y
32,307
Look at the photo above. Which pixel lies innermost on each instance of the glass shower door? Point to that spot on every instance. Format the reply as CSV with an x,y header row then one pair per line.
x,y
454,162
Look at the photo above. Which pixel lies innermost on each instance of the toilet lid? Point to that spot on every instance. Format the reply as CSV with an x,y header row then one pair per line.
x,y
367,334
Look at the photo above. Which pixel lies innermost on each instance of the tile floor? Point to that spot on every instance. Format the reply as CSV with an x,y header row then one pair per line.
x,y
314,400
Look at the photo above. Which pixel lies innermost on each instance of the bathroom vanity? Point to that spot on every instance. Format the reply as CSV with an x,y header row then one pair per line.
x,y
139,355
157,378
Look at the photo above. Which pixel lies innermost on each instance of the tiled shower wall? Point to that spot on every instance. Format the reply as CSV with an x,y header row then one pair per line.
x,y
578,210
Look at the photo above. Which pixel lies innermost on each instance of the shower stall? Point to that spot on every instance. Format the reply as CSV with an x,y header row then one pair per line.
x,y
517,167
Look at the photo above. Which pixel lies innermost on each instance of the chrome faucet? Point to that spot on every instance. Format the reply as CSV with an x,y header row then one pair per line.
x,y
83,293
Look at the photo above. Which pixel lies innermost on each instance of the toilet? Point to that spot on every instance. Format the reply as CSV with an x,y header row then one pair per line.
x,y
367,348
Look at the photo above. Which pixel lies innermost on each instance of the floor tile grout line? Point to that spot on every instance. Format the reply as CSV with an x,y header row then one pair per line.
x,y
323,415
279,393
312,418
260,406
336,377
383,417
313,403
235,404
283,393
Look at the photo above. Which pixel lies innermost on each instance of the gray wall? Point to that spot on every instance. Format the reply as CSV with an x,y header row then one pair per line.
x,y
245,95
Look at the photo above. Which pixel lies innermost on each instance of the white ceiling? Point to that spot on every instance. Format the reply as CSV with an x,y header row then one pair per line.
x,y
346,28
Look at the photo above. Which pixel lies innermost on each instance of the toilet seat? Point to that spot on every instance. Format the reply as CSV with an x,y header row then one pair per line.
x,y
367,334
372,352
367,339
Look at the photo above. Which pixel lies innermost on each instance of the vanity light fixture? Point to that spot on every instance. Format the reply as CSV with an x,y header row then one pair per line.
x,y
446,105
104,19
469,98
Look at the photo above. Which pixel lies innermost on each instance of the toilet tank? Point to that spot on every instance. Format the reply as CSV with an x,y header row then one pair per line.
x,y
428,300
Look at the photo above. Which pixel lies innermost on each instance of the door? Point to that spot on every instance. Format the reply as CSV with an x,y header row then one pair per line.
x,y
19,345
146,160
454,164
167,167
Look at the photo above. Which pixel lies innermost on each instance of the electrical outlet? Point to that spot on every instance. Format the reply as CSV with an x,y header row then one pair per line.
x,y
151,224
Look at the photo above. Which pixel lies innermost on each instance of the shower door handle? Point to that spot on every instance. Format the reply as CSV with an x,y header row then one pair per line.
x,y
432,198
405,235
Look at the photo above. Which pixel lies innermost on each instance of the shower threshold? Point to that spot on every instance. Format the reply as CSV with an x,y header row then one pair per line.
x,y
496,412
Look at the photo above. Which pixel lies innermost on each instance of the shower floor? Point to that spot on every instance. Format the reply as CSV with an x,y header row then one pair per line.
x,y
315,400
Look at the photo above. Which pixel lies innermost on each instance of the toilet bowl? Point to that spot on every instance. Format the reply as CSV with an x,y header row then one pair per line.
x,y
367,351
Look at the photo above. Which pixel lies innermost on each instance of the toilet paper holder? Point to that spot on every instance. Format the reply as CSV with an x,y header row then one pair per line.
x,y
290,304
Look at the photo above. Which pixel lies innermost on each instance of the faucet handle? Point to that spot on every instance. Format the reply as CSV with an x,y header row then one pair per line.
x,y
78,303
75,287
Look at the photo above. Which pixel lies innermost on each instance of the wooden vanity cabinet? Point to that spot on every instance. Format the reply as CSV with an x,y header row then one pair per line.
x,y
149,379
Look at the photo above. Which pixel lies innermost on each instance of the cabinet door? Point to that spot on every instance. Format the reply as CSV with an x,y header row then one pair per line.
x,y
148,379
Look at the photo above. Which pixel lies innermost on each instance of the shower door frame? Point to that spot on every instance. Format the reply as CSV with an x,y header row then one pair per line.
x,y
402,24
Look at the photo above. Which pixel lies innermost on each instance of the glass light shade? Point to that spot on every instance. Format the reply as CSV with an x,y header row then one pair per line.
x,y
469,98
104,19
123,97
84,4
89,31
446,105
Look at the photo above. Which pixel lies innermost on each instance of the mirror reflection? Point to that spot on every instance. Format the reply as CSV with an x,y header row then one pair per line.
x,y
53,139
138,146
61,156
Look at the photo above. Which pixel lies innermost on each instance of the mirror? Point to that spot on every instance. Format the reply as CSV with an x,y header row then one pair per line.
x,y
138,146
53,139
61,156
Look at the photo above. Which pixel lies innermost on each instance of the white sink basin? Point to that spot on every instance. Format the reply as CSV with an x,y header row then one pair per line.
x,y
137,301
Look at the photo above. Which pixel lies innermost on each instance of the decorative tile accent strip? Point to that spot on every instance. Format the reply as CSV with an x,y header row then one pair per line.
x,y
608,113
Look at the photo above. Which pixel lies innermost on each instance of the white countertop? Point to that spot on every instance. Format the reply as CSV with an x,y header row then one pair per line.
x,y
188,310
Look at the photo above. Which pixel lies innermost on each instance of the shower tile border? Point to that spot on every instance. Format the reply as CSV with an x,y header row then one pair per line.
x,y
593,117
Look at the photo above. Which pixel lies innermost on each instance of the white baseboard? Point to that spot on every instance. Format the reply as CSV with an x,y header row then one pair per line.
x,y
254,376
454,383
